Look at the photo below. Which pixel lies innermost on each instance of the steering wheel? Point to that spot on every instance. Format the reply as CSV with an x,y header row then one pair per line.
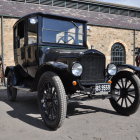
x,y
66,41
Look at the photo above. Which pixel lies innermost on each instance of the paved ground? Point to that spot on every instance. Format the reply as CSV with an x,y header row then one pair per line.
x,y
91,120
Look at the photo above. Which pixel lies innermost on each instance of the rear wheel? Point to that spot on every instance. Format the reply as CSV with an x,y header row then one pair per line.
x,y
11,91
52,100
126,86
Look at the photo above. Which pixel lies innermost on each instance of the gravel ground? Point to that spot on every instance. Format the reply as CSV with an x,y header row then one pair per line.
x,y
89,120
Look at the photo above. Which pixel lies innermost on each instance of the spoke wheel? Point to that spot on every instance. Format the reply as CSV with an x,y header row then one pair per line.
x,y
52,100
11,91
126,86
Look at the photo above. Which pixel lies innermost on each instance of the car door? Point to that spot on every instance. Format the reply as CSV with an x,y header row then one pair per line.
x,y
31,48
19,45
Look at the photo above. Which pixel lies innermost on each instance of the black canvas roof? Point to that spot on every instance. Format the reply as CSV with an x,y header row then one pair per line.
x,y
52,16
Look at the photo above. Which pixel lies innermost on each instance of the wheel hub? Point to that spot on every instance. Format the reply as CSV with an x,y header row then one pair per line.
x,y
123,93
48,100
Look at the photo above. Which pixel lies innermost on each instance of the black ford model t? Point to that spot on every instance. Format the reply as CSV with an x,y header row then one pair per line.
x,y
51,57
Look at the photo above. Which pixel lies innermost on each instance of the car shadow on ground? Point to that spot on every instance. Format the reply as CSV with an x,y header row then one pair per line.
x,y
26,109
86,109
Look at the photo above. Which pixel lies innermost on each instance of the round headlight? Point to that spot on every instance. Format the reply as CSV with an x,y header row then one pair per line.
x,y
112,69
77,69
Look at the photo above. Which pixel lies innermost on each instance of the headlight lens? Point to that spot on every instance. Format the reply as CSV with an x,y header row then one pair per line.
x,y
77,69
112,69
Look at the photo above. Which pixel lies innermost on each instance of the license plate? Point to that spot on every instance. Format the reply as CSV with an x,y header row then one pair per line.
x,y
102,87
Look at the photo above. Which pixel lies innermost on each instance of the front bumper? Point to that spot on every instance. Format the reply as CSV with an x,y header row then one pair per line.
x,y
95,87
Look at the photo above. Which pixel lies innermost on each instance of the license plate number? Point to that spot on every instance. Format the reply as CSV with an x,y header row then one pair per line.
x,y
102,87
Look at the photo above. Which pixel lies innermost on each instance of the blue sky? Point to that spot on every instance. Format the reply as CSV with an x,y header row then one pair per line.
x,y
135,3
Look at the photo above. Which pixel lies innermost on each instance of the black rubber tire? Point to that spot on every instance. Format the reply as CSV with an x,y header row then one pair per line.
x,y
132,108
11,92
54,80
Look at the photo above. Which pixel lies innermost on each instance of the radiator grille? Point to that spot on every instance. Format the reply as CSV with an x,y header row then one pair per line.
x,y
93,69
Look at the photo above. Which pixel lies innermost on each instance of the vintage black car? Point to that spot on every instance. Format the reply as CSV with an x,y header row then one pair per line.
x,y
52,57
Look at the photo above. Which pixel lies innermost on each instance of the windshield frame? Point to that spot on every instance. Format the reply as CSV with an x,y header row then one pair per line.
x,y
40,27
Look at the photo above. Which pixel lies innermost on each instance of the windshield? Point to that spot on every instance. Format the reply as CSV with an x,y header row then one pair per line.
x,y
64,32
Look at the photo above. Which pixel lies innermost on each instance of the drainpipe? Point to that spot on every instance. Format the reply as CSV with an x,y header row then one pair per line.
x,y
134,46
2,44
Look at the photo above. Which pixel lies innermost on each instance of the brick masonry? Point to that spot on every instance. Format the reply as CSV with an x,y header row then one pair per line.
x,y
102,38
8,41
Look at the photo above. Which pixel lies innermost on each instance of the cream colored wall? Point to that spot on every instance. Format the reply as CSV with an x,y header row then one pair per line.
x,y
137,39
103,38
0,35
8,41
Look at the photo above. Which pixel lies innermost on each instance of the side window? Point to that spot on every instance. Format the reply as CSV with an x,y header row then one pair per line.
x,y
32,30
21,34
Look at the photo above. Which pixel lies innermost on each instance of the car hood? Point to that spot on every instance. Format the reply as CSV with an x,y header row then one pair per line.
x,y
53,54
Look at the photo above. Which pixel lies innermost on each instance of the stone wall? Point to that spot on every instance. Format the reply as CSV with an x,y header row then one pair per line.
x,y
138,39
0,36
8,40
102,38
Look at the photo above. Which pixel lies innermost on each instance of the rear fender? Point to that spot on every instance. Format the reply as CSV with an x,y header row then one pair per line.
x,y
11,69
8,69
17,72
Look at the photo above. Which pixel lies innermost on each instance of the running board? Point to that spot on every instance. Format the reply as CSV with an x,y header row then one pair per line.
x,y
22,88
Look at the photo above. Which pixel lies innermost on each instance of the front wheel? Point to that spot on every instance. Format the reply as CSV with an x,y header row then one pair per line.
x,y
126,87
52,100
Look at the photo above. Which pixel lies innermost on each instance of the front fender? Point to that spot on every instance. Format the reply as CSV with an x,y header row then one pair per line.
x,y
8,69
51,66
127,66
61,69
57,65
